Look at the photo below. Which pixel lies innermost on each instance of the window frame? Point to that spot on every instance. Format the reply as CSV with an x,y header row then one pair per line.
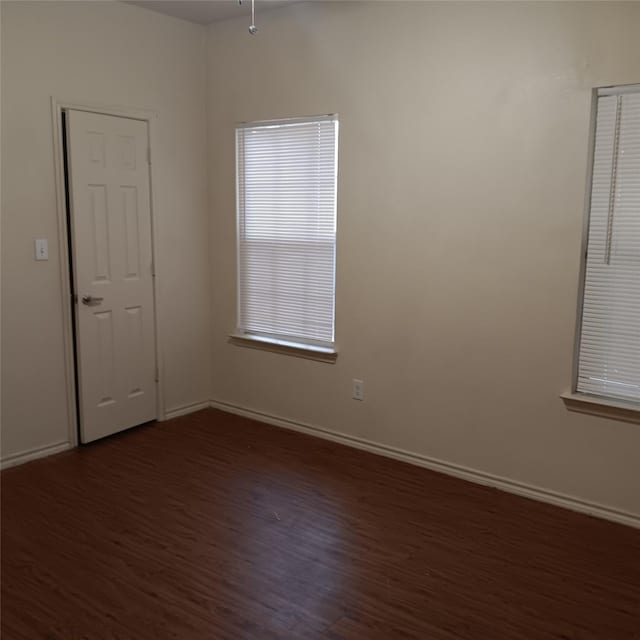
x,y
580,401
290,345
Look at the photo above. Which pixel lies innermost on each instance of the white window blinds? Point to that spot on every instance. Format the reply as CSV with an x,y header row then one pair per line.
x,y
609,354
286,198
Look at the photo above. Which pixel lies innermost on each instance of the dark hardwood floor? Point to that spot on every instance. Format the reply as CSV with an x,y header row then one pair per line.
x,y
215,527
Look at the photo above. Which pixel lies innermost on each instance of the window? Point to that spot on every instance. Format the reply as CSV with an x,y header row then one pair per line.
x,y
286,200
609,337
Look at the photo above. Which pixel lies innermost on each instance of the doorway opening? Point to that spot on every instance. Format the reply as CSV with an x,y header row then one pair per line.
x,y
108,273
72,297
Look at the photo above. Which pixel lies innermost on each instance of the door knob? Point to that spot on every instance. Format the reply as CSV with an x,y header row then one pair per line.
x,y
90,300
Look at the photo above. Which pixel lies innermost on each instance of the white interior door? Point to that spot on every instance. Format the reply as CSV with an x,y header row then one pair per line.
x,y
113,271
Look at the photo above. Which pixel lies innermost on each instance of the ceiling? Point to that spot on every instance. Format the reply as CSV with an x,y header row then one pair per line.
x,y
207,11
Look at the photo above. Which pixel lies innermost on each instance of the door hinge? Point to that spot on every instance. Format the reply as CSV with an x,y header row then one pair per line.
x,y
149,155
157,374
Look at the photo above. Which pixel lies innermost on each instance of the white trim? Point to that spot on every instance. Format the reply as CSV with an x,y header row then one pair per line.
x,y
315,346
585,241
186,409
107,110
612,408
33,454
150,117
619,90
152,124
458,471
289,347
256,124
63,249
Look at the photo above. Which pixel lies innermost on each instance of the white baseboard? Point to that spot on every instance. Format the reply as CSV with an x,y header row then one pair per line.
x,y
459,471
33,454
41,452
186,409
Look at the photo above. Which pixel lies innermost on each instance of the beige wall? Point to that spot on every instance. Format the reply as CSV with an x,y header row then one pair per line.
x,y
463,150
112,54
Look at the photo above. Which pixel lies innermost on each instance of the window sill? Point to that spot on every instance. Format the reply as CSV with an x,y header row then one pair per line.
x,y
604,407
296,349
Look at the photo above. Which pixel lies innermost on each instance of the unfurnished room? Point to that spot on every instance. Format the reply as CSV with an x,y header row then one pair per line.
x,y
320,320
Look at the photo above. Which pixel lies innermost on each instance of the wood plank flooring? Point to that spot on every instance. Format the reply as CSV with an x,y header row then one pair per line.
x,y
212,526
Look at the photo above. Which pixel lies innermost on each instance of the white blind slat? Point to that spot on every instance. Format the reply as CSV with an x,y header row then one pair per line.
x,y
286,198
609,354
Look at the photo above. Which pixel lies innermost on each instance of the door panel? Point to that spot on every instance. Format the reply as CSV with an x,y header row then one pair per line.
x,y
112,258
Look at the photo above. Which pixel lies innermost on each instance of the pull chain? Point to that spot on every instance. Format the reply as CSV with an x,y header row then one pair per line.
x,y
252,27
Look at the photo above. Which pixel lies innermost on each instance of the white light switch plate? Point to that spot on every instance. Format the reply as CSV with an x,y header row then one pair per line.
x,y
42,249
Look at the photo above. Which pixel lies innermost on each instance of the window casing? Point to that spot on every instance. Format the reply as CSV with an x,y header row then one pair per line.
x,y
608,363
286,175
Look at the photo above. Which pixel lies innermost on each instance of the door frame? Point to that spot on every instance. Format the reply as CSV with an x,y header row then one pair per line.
x,y
70,364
